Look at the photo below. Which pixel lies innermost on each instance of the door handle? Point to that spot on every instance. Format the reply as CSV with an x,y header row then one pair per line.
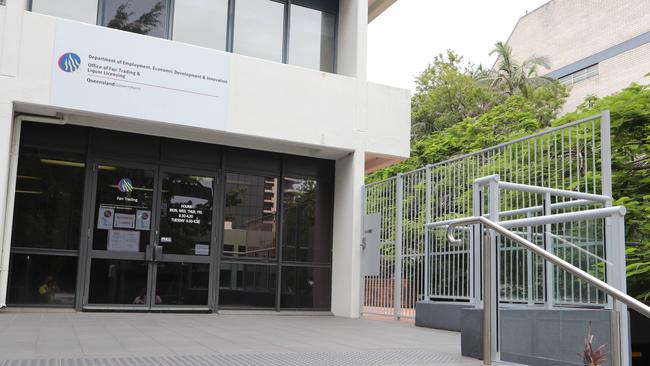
x,y
157,253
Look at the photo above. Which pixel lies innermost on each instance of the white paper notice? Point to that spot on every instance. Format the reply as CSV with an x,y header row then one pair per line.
x,y
201,249
124,241
126,221
142,220
105,218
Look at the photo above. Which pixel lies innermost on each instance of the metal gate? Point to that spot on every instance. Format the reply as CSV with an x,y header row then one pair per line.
x,y
416,264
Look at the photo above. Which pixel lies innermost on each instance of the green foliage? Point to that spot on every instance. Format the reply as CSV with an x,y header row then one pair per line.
x,y
630,139
513,78
447,93
515,117
455,113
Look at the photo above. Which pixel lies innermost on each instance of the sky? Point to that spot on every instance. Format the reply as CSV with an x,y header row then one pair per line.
x,y
404,39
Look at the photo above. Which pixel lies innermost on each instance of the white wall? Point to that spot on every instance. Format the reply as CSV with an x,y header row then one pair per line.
x,y
346,251
614,74
569,30
271,107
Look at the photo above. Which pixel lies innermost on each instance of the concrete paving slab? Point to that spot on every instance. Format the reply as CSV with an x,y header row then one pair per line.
x,y
63,338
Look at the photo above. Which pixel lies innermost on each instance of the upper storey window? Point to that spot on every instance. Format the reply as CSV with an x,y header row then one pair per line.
x,y
259,29
150,17
312,38
296,32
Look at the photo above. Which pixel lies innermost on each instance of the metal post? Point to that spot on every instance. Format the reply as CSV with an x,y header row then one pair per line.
x,y
617,278
487,301
397,270
491,251
427,186
605,155
548,246
475,250
529,265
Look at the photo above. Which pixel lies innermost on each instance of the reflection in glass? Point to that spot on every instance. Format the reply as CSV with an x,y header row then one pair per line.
x,y
49,196
312,38
247,285
250,216
118,282
305,287
42,279
149,17
259,29
123,209
186,214
305,231
182,283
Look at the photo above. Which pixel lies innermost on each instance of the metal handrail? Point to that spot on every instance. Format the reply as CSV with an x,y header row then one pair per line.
x,y
612,291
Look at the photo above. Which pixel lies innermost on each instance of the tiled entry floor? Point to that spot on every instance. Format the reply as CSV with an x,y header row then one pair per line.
x,y
62,338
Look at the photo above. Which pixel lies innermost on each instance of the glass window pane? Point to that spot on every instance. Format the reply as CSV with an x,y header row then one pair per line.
x,y
118,282
123,209
259,29
182,283
306,236
200,22
49,196
150,17
311,39
305,287
186,214
42,279
247,285
250,216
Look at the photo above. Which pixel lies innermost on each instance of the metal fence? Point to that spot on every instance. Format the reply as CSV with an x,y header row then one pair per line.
x,y
575,157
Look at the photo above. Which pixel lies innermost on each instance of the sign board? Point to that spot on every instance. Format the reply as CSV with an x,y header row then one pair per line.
x,y
119,73
370,255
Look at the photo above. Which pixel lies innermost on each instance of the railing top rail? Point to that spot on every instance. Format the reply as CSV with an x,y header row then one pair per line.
x,y
502,230
482,181
596,213
555,192
521,139
380,181
501,145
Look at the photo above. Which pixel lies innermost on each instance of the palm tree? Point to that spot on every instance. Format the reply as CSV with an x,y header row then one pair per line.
x,y
513,78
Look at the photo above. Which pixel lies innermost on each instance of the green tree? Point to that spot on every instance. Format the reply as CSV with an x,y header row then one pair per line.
x,y
511,77
446,93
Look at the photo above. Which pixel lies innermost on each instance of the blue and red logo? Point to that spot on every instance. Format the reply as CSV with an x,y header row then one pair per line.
x,y
69,62
125,185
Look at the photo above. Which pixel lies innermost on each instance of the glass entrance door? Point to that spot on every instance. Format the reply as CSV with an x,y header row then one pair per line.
x,y
121,236
185,239
151,238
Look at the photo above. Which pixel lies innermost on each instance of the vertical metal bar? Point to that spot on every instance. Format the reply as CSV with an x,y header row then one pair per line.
x,y
490,251
606,155
529,264
427,199
548,245
397,291
488,340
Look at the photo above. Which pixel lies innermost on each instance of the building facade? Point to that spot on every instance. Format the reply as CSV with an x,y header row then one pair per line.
x,y
189,155
594,47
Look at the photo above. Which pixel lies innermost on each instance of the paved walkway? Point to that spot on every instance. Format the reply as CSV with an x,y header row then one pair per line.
x,y
75,338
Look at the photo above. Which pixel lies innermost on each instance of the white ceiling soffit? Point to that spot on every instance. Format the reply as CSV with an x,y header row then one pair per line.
x,y
376,7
